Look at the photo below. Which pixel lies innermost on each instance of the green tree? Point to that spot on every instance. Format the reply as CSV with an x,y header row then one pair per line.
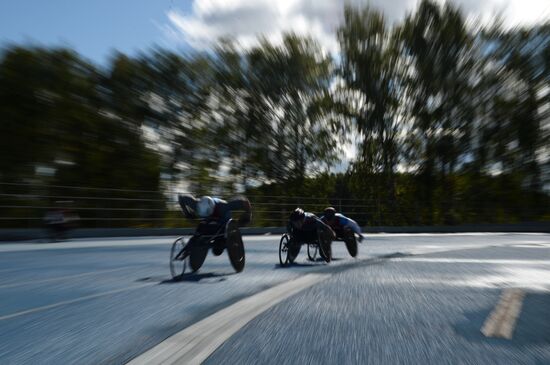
x,y
294,81
54,115
373,70
440,84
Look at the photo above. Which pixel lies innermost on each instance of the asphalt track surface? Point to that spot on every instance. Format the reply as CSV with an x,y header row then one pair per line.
x,y
407,299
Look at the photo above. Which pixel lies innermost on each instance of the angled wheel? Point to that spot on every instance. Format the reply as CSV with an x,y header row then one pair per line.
x,y
325,245
177,259
312,250
293,250
197,256
351,243
235,246
283,250
218,247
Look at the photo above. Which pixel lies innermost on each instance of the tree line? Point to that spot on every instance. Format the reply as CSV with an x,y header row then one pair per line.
x,y
448,120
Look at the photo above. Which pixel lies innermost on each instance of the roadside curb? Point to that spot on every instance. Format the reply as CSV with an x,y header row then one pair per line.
x,y
37,233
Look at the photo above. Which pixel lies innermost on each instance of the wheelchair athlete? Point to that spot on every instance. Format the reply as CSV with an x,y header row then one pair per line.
x,y
345,229
340,223
214,214
306,227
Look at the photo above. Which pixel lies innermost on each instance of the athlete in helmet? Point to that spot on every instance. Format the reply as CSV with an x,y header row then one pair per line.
x,y
305,227
214,213
339,223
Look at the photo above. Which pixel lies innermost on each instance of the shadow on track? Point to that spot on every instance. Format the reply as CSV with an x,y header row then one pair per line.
x,y
195,278
318,262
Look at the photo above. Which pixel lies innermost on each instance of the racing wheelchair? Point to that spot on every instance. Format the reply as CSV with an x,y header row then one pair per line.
x,y
349,238
289,247
209,235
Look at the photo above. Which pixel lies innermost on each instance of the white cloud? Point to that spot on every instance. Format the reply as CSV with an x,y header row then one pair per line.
x,y
245,20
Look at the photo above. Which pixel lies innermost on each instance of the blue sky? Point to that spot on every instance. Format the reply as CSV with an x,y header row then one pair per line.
x,y
97,27
92,27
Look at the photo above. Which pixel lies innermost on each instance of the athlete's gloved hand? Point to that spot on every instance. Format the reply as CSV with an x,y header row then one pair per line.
x,y
245,218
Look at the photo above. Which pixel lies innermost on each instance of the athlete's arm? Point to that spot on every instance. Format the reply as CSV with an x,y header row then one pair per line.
x,y
350,223
188,205
289,228
353,225
244,205
324,226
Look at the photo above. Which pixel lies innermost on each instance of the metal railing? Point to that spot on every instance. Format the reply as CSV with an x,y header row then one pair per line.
x,y
25,205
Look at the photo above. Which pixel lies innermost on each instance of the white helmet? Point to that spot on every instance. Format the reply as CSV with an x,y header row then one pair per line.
x,y
205,207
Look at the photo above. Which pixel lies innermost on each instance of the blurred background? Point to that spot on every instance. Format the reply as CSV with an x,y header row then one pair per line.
x,y
398,113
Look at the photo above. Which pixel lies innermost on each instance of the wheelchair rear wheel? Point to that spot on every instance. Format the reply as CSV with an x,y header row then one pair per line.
x,y
312,250
325,245
197,256
235,246
351,243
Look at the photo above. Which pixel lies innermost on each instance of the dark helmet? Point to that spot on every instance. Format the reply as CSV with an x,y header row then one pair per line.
x,y
329,213
297,215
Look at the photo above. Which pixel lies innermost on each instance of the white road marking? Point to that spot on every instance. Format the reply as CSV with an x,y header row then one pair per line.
x,y
420,249
65,302
11,285
10,270
471,261
502,320
167,240
194,344
138,241
374,235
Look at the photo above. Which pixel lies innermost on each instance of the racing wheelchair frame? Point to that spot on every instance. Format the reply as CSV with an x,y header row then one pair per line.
x,y
289,247
196,247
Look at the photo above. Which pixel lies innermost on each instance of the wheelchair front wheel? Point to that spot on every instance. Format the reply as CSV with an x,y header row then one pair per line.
x,y
283,250
177,259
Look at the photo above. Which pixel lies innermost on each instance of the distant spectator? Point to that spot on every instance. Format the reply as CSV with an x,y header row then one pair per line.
x,y
59,221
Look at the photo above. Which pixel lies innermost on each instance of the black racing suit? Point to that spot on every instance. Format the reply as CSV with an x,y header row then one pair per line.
x,y
308,233
219,217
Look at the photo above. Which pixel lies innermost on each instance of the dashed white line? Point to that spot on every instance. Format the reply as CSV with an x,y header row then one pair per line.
x,y
471,261
137,241
65,302
502,320
11,285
